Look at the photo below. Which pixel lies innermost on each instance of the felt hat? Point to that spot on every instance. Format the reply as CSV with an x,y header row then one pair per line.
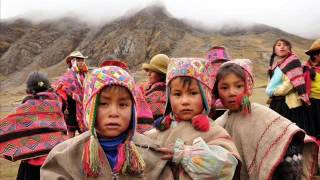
x,y
314,47
158,63
75,54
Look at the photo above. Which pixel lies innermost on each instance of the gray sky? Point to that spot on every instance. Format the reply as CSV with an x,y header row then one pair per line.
x,y
301,17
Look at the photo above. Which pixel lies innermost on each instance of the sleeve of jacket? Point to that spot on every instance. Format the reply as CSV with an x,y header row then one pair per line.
x,y
284,88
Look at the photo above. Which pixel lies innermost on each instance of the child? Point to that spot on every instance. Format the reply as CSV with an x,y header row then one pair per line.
x,y
34,129
287,88
201,149
271,146
154,90
144,113
110,149
217,55
312,76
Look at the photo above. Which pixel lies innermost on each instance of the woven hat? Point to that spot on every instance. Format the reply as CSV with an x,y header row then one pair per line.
x,y
158,63
118,63
74,54
216,53
314,47
196,68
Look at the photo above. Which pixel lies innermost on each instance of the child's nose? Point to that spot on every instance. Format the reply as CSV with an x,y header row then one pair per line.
x,y
185,100
233,92
113,112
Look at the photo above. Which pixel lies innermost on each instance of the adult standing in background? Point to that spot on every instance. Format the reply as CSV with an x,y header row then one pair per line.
x,y
155,89
287,87
70,88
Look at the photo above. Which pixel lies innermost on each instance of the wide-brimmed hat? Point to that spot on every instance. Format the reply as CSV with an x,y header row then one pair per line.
x,y
314,47
216,53
158,63
74,54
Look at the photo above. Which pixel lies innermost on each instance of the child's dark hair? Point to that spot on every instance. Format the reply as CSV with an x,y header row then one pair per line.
x,y
162,77
226,70
313,55
186,81
273,55
37,82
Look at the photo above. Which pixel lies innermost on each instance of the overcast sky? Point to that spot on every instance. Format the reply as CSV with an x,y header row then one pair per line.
x,y
301,17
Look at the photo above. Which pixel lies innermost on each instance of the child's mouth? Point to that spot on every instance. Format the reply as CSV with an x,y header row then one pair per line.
x,y
186,111
112,125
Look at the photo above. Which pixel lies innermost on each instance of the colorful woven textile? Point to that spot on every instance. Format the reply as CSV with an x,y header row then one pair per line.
x,y
155,95
292,68
35,120
68,85
30,146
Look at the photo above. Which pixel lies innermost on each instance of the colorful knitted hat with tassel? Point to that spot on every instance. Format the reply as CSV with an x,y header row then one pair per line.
x,y
246,65
196,68
129,161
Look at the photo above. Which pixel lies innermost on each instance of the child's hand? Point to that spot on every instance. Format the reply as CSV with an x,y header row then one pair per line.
x,y
167,151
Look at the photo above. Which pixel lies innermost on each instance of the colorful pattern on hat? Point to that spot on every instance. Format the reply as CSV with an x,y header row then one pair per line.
x,y
97,80
196,68
217,53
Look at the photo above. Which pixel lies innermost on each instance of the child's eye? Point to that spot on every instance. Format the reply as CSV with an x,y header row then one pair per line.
x,y
194,93
123,105
240,86
103,103
176,94
223,88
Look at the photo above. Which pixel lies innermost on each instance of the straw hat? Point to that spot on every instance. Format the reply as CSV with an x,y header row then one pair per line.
x,y
314,47
74,54
158,63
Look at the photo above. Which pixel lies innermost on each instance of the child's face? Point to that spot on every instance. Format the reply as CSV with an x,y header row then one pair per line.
x,y
114,112
80,63
229,87
186,101
153,77
281,49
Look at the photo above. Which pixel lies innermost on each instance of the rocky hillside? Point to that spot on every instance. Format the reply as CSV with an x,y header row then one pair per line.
x,y
25,46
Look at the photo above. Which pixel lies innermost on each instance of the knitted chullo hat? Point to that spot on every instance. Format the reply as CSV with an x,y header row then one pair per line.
x,y
246,65
216,53
129,161
196,68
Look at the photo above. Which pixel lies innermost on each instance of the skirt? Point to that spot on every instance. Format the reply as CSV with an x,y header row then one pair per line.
x,y
314,111
299,115
28,172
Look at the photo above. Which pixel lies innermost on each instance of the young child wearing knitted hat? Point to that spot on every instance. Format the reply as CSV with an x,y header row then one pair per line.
x,y
110,149
202,149
270,146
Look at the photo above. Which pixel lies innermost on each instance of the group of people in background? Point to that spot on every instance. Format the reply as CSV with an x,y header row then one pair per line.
x,y
101,124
